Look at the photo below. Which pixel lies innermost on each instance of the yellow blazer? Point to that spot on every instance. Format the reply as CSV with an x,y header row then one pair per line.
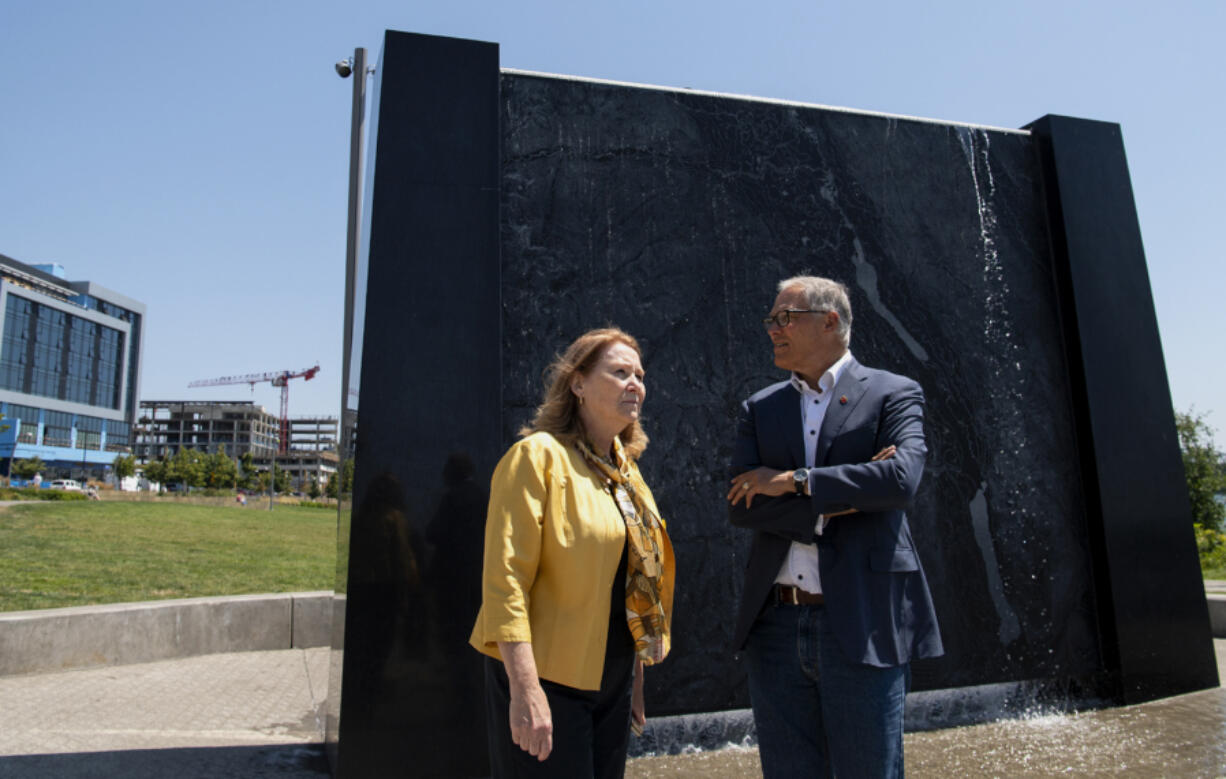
x,y
553,539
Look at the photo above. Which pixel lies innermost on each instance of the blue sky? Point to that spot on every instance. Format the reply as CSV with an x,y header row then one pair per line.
x,y
194,156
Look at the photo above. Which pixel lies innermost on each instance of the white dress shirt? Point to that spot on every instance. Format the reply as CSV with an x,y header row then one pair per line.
x,y
799,568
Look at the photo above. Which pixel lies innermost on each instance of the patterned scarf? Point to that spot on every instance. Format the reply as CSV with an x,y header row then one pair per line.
x,y
649,558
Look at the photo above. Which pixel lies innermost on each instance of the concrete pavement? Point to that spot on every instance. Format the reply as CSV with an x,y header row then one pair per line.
x,y
243,714
259,714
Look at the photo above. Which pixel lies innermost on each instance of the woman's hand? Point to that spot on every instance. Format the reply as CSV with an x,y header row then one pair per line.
x,y
638,710
759,481
531,720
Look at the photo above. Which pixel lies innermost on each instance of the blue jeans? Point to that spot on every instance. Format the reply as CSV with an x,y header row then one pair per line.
x,y
816,712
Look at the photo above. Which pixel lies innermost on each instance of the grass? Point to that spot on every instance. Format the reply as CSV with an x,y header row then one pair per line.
x,y
81,553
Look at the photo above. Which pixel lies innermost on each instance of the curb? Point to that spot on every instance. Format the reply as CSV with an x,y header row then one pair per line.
x,y
1217,614
121,633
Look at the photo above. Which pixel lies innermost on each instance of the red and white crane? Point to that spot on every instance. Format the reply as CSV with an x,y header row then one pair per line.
x,y
277,379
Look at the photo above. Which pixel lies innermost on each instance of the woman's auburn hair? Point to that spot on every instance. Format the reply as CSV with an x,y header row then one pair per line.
x,y
558,413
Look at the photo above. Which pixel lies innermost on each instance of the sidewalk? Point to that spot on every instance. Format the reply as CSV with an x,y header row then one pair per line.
x,y
245,714
257,714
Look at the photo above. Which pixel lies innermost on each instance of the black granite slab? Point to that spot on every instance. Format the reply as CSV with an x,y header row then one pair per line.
x,y
1153,613
674,215
427,417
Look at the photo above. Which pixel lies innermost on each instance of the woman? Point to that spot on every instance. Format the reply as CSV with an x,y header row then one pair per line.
x,y
578,572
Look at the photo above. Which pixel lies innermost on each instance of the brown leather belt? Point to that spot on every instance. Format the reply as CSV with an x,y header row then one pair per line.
x,y
794,596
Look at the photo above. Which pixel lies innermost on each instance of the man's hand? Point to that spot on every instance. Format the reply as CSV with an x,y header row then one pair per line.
x,y
759,481
772,482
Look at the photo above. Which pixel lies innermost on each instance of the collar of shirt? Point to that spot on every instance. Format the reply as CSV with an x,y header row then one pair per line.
x,y
827,380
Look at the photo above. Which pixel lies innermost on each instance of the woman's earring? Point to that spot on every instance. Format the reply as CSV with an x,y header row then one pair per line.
x,y
580,400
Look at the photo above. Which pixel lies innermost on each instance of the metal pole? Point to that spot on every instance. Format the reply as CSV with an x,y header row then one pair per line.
x,y
357,131
272,478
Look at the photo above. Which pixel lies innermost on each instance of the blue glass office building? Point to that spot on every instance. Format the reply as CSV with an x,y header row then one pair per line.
x,y
70,355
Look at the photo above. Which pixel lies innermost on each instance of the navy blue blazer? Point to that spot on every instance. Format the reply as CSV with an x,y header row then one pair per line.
x,y
876,595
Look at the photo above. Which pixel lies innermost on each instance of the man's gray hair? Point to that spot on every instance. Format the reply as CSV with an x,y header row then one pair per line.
x,y
826,295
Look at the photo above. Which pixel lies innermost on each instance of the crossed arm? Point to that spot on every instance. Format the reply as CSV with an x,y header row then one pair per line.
x,y
888,480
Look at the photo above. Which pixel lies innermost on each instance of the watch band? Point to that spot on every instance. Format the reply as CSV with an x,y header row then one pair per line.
x,y
800,480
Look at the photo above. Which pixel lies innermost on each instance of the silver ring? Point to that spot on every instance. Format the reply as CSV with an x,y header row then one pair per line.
x,y
744,485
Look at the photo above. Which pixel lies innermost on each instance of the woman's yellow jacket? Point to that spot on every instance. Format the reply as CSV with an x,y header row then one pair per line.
x,y
553,539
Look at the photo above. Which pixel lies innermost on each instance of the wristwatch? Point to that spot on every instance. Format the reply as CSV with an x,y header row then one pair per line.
x,y
800,480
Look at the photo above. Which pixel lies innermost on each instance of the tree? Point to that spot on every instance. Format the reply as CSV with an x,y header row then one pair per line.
x,y
124,466
341,481
347,476
157,471
1203,469
219,469
26,468
187,466
313,491
281,480
248,476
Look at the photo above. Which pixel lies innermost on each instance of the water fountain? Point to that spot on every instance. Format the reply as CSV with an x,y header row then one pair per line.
x,y
1003,269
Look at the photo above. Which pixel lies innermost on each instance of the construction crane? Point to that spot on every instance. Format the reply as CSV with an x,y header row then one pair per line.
x,y
277,379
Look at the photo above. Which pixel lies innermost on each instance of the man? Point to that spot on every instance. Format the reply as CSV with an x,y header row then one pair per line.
x,y
835,603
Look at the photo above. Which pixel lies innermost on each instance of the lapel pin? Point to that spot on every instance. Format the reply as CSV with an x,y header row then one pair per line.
x,y
843,400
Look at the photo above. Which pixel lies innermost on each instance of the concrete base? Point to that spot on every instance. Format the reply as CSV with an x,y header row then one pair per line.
x,y
116,634
1217,613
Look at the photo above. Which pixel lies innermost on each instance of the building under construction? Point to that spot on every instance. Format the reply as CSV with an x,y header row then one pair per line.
x,y
238,427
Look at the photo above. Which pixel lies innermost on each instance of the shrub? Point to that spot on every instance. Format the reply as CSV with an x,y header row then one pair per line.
x,y
1211,546
34,493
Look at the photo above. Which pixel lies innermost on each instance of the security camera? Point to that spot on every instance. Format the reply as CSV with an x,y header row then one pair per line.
x,y
344,67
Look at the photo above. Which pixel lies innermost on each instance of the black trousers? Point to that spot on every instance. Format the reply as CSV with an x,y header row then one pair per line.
x,y
591,728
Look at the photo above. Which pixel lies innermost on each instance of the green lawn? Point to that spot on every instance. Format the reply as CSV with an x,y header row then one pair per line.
x,y
1213,573
81,553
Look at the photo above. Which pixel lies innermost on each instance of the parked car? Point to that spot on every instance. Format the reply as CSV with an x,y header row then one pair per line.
x,y
66,484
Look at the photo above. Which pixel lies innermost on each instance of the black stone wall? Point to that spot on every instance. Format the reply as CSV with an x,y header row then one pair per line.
x,y
674,215
509,212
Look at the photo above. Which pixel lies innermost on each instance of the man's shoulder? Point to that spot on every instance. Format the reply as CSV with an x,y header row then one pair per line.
x,y
883,378
772,391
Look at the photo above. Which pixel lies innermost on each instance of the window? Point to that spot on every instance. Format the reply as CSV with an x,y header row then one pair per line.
x,y
14,349
57,428
55,354
118,436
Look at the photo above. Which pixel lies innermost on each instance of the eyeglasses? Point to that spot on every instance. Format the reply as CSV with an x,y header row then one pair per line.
x,y
784,317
